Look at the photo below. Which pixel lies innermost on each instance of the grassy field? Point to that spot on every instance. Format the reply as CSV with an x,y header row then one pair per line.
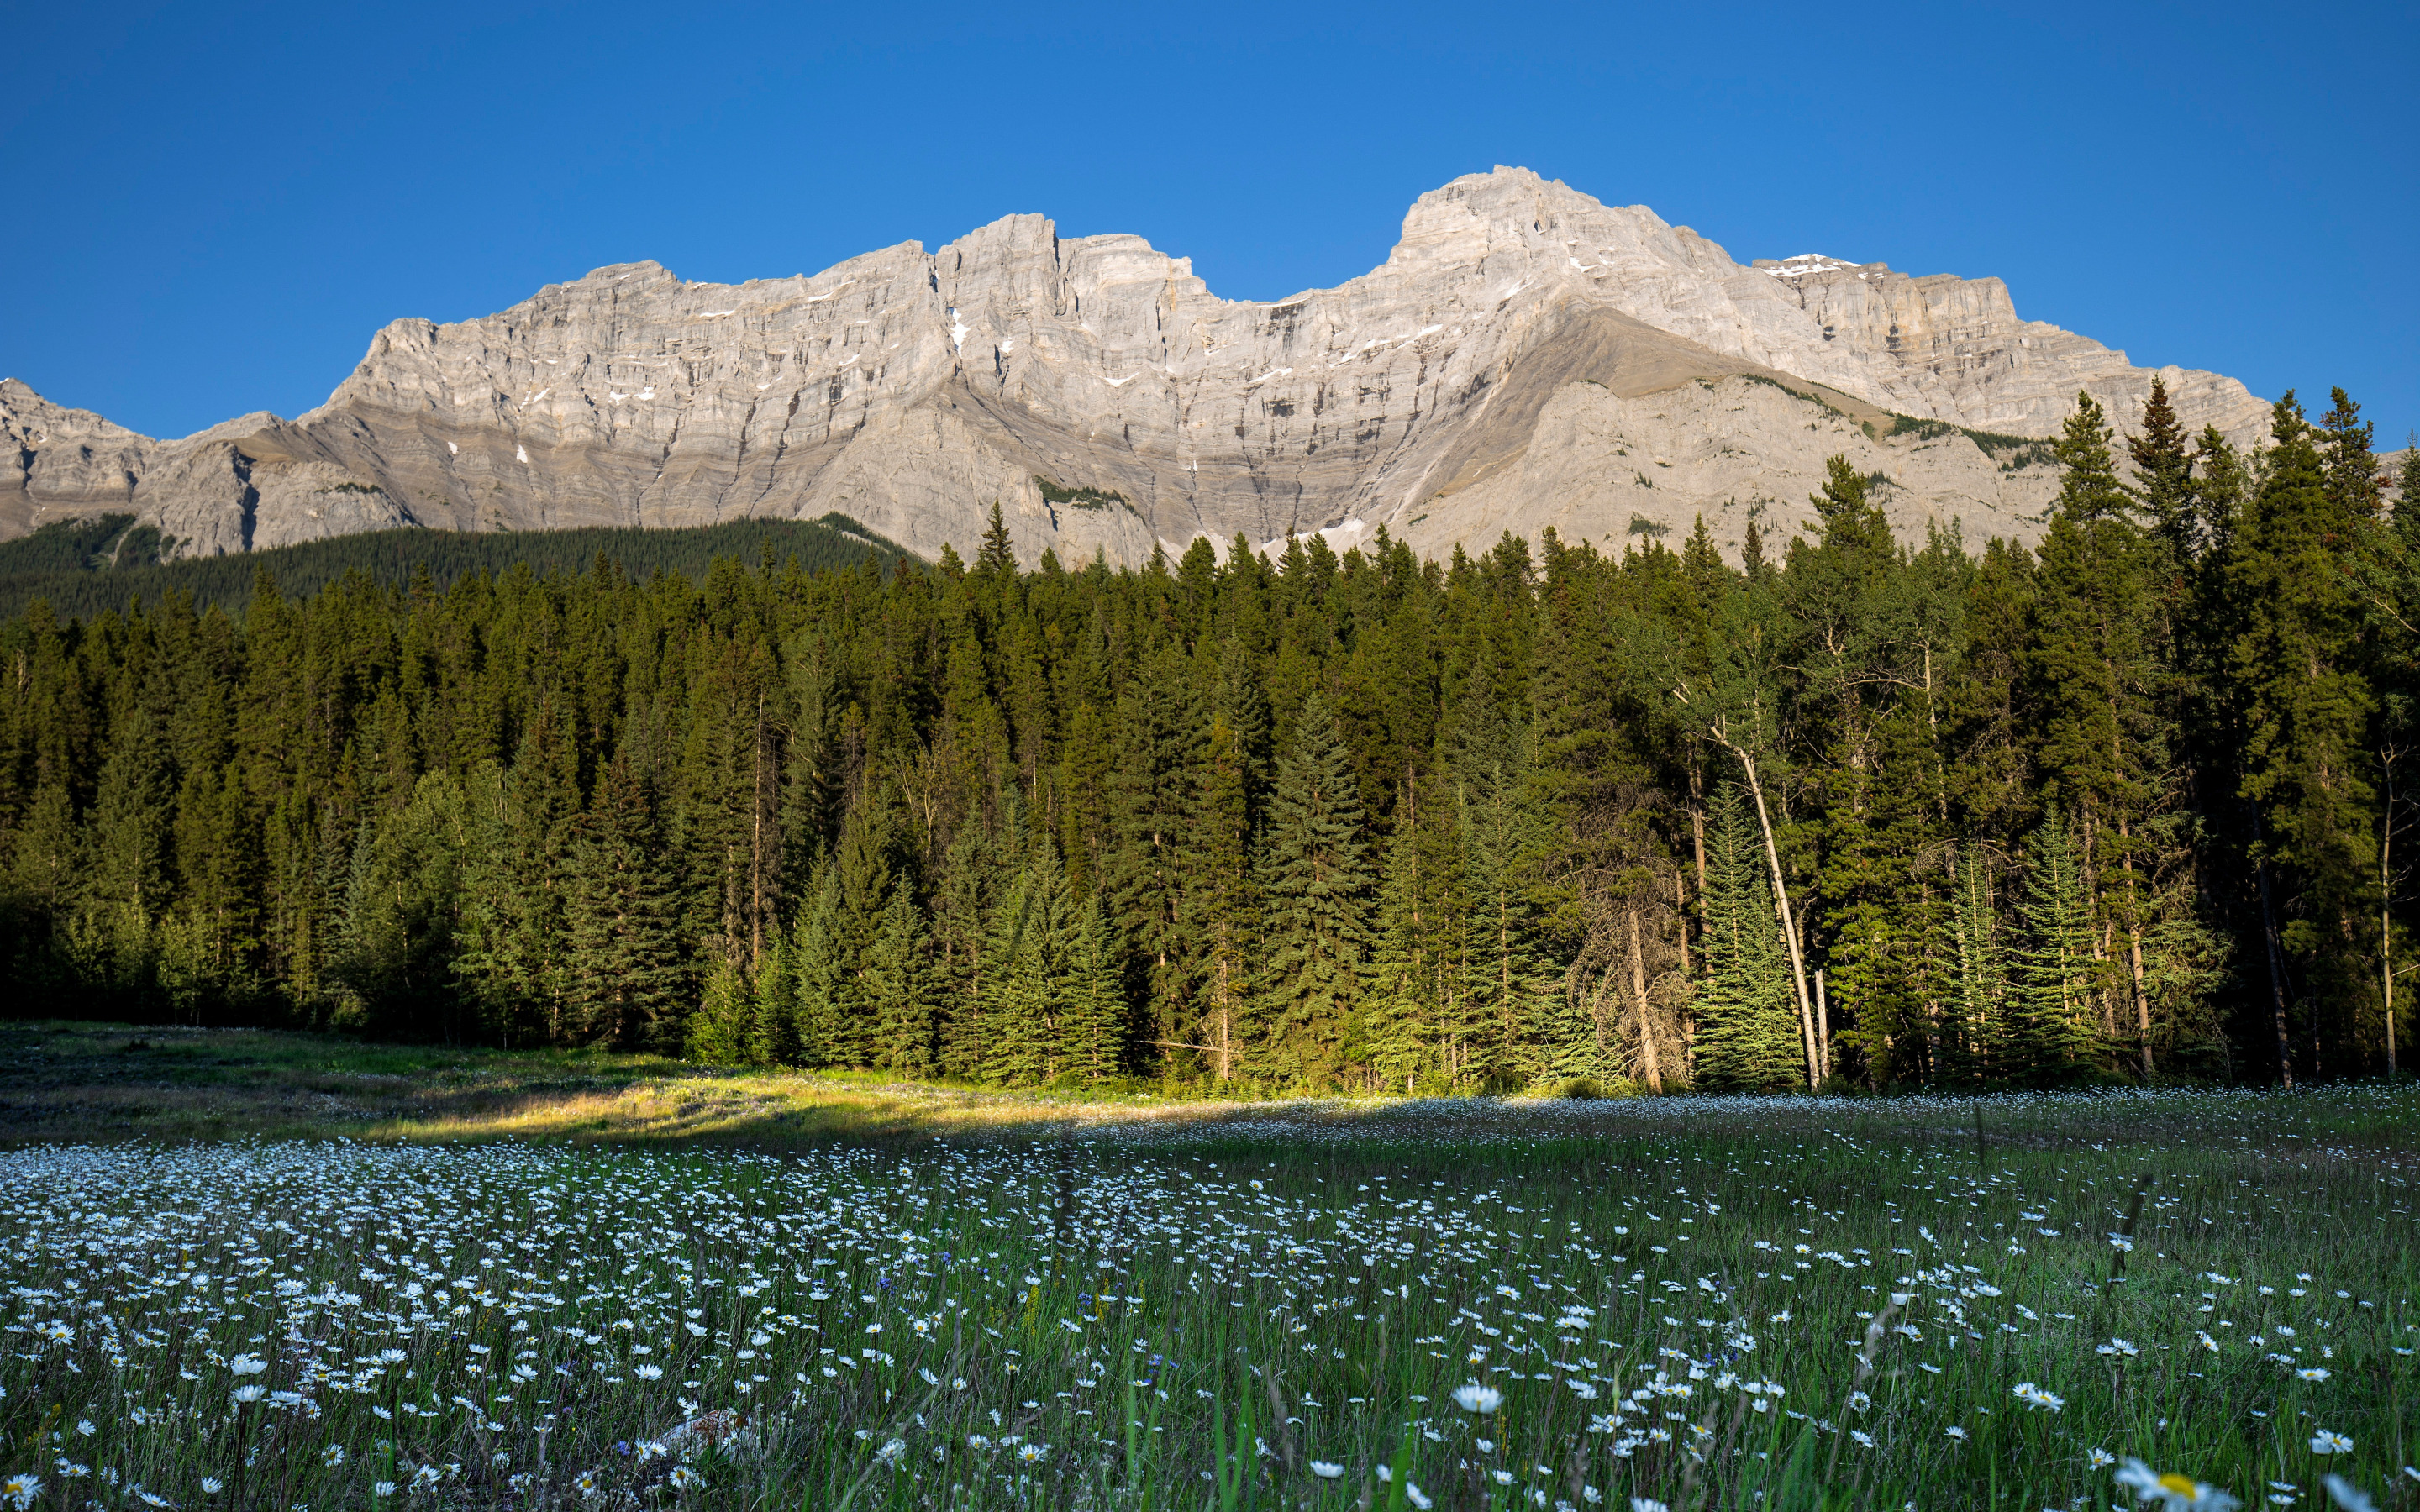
x,y
258,1270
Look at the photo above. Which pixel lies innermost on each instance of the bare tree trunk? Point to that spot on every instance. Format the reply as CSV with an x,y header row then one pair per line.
x,y
1680,918
1823,1030
2276,962
1698,818
1638,990
2134,951
2386,908
1781,908
756,854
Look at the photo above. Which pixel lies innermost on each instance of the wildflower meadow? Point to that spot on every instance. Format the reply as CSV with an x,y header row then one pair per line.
x,y
2084,1300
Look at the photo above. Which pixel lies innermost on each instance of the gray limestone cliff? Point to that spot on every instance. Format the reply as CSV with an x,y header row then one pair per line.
x,y
1525,356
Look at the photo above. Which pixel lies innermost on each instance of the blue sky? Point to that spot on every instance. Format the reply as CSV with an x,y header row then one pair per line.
x,y
215,206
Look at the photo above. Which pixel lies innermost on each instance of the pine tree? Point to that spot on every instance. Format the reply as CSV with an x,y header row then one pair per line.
x,y
2305,706
1036,945
628,981
816,973
1315,883
1984,1046
1092,1027
898,980
2053,1030
721,1030
1747,1027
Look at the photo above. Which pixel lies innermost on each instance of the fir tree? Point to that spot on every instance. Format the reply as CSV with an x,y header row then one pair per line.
x,y
2053,1033
1314,881
898,980
773,1007
1747,1029
817,975
721,1029
627,979
1984,1044
1092,1029
1035,944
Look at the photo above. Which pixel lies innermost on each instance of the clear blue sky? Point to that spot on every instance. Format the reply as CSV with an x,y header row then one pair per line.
x,y
214,207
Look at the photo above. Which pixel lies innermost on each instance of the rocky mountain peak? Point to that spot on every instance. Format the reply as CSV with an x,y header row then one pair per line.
x,y
1525,355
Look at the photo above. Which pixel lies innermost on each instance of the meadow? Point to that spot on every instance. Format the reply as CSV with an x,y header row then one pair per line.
x,y
253,1271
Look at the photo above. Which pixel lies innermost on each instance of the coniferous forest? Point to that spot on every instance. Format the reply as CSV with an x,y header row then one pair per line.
x,y
1836,810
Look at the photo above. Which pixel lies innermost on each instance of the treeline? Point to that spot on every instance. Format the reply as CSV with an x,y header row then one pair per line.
x,y
1852,811
102,564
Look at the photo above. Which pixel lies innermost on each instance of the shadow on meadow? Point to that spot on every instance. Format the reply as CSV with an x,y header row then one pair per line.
x,y
107,1082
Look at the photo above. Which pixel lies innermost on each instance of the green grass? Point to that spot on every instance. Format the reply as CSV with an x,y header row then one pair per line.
x,y
1129,1290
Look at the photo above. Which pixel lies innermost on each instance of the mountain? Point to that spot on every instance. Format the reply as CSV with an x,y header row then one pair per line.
x,y
1525,356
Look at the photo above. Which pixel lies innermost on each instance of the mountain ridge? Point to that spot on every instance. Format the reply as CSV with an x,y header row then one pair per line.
x,y
1519,360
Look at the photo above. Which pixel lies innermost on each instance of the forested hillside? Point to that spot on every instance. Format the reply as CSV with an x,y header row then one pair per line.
x,y
1853,811
82,567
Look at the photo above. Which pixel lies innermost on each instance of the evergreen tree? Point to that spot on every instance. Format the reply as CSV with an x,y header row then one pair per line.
x,y
721,1030
1747,1029
898,980
2304,706
627,979
2054,1031
817,975
1314,882
1092,1029
394,961
2094,682
1036,944
1985,1045
773,1007
1401,1015
1220,907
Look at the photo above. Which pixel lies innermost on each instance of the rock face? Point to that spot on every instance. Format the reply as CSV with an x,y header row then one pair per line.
x,y
1525,356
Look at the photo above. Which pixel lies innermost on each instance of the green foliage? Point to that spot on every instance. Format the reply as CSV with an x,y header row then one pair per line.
x,y
2128,806
1747,1027
59,569
1081,498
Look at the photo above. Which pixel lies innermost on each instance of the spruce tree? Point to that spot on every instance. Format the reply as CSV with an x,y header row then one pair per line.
x,y
627,979
898,981
2094,683
1984,1044
818,974
2305,706
773,1009
1091,1024
1220,907
2053,1029
721,1029
1037,947
1747,1029
1398,1029
1315,883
